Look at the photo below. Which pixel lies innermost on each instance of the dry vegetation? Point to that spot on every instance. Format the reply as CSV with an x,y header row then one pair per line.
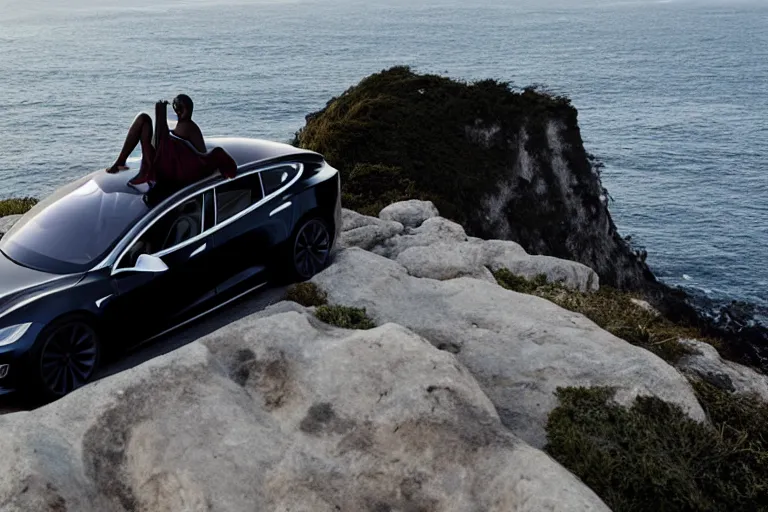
x,y
16,206
309,295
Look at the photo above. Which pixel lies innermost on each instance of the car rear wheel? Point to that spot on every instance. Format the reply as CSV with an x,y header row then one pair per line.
x,y
68,357
311,248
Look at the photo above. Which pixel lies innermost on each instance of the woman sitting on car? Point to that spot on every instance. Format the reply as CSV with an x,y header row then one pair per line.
x,y
176,158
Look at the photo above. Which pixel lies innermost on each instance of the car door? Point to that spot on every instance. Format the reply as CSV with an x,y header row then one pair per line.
x,y
278,207
249,225
148,302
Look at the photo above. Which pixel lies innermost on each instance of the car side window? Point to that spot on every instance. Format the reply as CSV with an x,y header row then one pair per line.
x,y
209,211
277,178
172,229
235,196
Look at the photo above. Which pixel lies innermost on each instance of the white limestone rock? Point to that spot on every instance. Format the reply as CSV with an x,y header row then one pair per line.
x,y
519,347
410,214
365,232
645,306
433,231
444,260
707,364
440,249
279,412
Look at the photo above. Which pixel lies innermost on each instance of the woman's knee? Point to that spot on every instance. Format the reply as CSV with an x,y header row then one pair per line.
x,y
143,118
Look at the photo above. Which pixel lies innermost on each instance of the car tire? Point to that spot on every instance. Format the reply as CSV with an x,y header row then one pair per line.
x,y
66,357
309,249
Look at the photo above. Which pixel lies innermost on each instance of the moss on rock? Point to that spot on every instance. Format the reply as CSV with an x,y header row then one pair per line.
x,y
520,284
310,295
653,457
16,206
307,294
344,317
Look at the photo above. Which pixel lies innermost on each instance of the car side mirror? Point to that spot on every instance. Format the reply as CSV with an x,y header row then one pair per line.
x,y
149,263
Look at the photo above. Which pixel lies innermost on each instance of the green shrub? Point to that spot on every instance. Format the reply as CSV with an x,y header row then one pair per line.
x,y
400,135
613,311
518,283
345,317
16,206
652,457
307,294
371,187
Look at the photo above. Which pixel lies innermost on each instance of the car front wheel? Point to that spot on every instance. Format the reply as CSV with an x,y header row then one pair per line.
x,y
311,248
67,358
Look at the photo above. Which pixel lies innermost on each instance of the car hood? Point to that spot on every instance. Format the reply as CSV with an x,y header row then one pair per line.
x,y
19,284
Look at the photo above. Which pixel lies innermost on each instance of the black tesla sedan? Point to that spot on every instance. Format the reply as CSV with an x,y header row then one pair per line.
x,y
100,265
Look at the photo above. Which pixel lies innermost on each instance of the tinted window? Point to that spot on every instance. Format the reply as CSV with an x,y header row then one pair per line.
x,y
277,178
237,195
76,227
173,228
209,211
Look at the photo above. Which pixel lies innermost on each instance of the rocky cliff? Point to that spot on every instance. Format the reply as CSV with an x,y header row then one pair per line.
x,y
448,400
505,165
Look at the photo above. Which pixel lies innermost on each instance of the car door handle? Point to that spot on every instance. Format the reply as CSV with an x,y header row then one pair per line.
x,y
280,208
199,250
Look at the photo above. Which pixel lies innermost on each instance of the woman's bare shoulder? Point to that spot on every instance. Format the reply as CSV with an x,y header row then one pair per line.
x,y
190,131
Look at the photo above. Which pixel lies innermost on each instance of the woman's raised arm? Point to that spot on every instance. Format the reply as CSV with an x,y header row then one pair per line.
x,y
161,121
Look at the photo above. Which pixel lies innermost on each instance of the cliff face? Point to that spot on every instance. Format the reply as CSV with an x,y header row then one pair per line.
x,y
506,165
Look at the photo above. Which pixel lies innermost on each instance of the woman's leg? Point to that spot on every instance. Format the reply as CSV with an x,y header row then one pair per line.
x,y
140,131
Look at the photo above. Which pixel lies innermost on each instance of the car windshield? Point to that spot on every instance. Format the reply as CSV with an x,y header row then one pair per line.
x,y
76,227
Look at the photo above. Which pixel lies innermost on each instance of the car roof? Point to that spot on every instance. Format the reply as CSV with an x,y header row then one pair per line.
x,y
119,205
246,150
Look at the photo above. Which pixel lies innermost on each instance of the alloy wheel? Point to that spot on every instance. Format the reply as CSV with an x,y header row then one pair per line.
x,y
69,357
312,248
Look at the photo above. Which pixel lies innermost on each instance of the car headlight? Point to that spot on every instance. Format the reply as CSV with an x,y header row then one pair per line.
x,y
13,333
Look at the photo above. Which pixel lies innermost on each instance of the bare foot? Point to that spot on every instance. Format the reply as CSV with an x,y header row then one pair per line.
x,y
117,168
139,179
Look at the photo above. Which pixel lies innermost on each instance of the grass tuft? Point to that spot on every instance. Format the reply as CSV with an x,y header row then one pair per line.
x,y
614,312
307,294
16,206
345,317
653,457
518,283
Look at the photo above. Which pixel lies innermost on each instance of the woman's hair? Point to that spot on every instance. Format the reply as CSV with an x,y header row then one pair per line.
x,y
186,101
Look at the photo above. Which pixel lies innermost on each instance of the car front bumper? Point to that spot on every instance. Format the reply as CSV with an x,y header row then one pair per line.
x,y
15,359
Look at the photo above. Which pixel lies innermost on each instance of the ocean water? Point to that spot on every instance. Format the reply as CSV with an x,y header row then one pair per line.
x,y
672,95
